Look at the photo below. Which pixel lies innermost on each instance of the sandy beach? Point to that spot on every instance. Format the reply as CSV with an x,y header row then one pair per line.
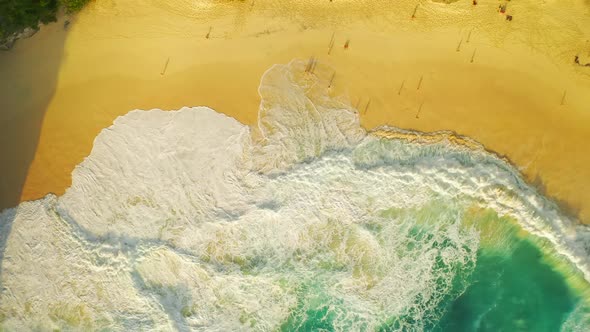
x,y
511,85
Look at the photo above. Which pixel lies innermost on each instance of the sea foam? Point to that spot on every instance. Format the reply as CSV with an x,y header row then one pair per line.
x,y
189,220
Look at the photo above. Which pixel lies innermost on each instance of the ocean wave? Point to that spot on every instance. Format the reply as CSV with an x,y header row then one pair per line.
x,y
189,220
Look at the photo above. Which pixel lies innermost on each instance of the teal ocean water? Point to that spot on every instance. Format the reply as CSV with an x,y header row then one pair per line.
x,y
511,290
191,221
510,286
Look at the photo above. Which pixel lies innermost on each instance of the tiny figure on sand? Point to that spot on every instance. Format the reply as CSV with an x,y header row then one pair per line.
x,y
577,61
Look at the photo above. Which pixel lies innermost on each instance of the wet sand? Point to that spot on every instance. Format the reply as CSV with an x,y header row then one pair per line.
x,y
124,55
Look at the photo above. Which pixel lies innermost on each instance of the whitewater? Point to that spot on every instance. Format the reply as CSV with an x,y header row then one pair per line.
x,y
189,220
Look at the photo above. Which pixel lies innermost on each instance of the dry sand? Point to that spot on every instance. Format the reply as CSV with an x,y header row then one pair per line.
x,y
509,97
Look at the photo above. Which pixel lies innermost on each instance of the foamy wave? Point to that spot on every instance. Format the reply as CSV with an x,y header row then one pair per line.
x,y
187,220
470,173
298,120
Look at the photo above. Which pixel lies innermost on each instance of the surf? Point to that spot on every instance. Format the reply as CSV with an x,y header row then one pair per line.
x,y
189,220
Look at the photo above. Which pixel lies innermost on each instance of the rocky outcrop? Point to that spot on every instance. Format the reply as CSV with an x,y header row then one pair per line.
x,y
7,43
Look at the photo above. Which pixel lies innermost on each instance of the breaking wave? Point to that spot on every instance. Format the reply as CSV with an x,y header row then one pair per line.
x,y
189,220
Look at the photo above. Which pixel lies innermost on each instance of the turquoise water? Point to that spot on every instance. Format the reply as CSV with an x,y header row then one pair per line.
x,y
510,291
513,286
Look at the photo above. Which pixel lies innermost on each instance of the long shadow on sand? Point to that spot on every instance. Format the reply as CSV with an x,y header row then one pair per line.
x,y
28,79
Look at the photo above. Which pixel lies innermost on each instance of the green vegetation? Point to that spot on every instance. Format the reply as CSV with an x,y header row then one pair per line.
x,y
73,5
17,15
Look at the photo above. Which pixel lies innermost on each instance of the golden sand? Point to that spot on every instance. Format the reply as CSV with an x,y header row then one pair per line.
x,y
512,86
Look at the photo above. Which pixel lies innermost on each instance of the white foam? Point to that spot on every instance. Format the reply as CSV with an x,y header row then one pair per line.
x,y
157,168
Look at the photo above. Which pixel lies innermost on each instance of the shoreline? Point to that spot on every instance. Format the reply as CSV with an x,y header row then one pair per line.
x,y
454,138
7,43
386,132
508,99
538,235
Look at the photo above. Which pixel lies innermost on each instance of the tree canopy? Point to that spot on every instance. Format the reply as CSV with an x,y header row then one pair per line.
x,y
16,15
